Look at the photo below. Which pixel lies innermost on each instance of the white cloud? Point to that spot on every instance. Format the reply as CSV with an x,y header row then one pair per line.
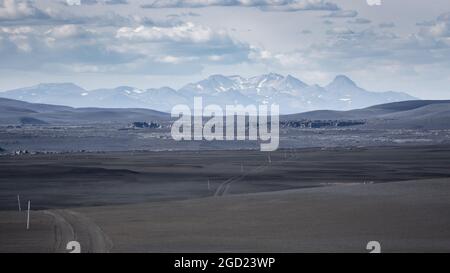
x,y
444,17
94,2
168,59
183,44
342,14
301,5
16,30
19,9
440,28
25,12
216,58
208,3
278,59
184,48
340,31
187,32
360,21
268,5
68,31
387,25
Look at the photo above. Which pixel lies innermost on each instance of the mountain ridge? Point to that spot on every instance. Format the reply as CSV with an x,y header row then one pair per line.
x,y
292,94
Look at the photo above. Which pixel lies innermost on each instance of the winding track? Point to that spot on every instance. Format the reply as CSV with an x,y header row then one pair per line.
x,y
224,187
73,226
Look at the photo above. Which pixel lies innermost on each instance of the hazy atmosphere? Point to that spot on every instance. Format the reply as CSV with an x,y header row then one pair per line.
x,y
401,45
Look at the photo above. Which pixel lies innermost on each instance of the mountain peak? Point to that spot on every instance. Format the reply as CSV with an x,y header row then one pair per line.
x,y
218,77
214,83
273,76
342,80
294,82
265,79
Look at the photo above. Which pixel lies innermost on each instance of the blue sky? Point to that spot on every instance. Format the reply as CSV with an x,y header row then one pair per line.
x,y
401,45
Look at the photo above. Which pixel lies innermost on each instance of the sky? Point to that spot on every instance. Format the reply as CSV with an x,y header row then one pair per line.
x,y
383,45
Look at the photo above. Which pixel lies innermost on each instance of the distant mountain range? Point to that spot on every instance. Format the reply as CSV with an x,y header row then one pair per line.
x,y
293,95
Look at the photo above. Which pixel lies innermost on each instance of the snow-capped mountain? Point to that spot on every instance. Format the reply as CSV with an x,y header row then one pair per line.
x,y
349,95
50,93
290,93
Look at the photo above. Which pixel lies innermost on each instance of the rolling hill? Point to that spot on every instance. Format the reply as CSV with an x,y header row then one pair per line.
x,y
19,112
416,114
426,114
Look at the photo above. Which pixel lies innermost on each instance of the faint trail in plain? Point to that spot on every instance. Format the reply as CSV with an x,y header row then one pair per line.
x,y
73,226
224,187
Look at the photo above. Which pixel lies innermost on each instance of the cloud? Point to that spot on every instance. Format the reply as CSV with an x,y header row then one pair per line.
x,y
12,10
440,28
187,32
444,17
184,48
425,23
33,48
281,60
94,2
21,12
359,21
116,2
381,50
386,25
340,31
15,38
64,38
302,5
209,3
69,31
267,5
186,42
183,14
342,14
